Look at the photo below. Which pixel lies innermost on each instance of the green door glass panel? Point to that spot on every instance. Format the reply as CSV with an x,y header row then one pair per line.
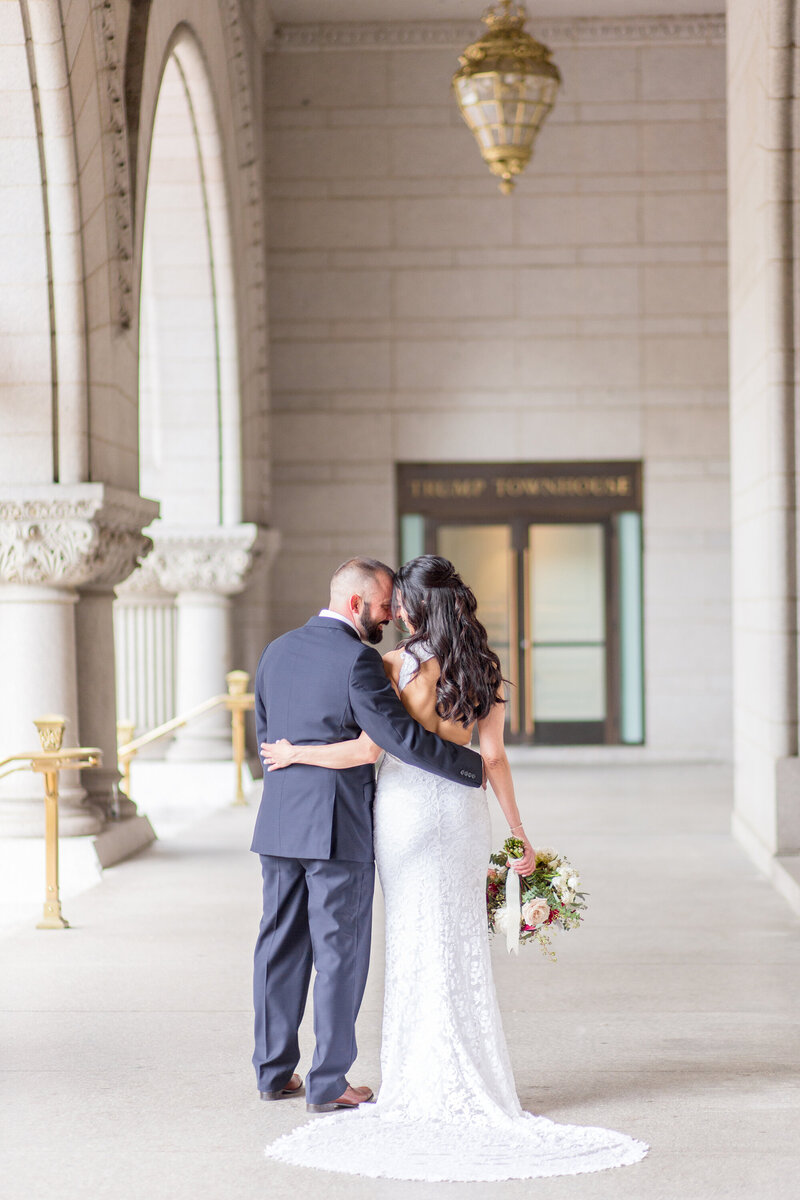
x,y
629,531
412,536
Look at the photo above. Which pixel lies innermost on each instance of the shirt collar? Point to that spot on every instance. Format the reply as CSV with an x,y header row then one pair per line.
x,y
326,612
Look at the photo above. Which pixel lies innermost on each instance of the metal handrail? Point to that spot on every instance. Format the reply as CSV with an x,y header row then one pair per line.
x,y
237,700
127,749
53,760
48,761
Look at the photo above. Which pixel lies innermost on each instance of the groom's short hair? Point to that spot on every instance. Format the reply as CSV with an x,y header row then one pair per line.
x,y
356,573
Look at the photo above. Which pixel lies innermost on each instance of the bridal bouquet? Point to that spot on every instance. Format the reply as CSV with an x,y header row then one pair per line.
x,y
546,900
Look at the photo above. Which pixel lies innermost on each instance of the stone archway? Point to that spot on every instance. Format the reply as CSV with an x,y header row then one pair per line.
x,y
70,522
192,399
220,52
188,361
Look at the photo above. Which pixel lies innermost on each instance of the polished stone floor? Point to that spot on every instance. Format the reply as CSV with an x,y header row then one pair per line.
x,y
673,1015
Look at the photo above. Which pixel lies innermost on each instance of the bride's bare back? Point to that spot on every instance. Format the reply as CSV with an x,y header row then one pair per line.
x,y
419,698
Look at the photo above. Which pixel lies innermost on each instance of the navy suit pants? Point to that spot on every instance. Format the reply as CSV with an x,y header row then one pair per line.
x,y
315,911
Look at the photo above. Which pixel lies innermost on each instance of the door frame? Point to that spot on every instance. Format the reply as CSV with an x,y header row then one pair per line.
x,y
546,494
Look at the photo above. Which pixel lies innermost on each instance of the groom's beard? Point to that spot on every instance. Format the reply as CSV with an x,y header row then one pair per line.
x,y
371,630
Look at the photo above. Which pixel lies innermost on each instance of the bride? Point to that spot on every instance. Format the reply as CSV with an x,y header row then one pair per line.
x,y
447,1108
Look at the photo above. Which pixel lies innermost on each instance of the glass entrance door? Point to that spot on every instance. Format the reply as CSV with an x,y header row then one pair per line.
x,y
541,592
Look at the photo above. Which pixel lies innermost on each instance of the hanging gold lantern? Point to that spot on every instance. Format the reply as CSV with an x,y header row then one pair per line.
x,y
505,88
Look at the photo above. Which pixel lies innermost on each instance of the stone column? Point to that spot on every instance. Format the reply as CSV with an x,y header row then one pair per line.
x,y
122,518
144,617
204,657
764,219
55,539
204,568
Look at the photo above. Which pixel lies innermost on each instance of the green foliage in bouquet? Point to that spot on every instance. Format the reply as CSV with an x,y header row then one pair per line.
x,y
550,896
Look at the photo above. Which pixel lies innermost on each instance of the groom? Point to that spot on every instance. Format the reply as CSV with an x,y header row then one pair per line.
x,y
313,833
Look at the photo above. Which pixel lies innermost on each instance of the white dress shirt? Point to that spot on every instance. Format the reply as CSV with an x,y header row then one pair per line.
x,y
326,612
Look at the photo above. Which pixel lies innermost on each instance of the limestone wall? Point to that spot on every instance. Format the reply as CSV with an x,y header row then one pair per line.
x,y
415,313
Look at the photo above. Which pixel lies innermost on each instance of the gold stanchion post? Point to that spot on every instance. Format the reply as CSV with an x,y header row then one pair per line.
x,y
51,735
238,701
125,732
52,759
52,917
48,761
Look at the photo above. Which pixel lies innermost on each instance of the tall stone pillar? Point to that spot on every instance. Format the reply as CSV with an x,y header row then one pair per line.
x,y
764,212
204,568
54,540
123,515
203,621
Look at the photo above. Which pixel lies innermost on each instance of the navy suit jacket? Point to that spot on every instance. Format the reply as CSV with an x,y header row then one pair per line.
x,y
320,684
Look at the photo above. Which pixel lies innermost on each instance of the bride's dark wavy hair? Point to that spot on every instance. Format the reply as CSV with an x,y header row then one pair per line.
x,y
442,609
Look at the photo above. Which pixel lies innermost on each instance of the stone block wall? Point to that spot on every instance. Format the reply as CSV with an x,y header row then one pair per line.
x,y
417,314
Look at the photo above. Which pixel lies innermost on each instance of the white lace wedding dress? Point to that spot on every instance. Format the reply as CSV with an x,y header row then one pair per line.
x,y
447,1108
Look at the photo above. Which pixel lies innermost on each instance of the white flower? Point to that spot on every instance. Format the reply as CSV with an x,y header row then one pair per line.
x,y
501,919
567,878
563,881
546,854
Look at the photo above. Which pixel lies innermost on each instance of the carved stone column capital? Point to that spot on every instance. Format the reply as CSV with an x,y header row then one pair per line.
x,y
216,559
143,585
71,535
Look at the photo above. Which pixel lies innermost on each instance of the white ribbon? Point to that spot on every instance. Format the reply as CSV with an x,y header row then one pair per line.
x,y
513,909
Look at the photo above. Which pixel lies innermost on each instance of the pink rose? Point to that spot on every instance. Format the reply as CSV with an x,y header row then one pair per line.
x,y
534,912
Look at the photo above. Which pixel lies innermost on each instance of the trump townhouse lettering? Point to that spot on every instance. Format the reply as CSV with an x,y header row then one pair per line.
x,y
514,486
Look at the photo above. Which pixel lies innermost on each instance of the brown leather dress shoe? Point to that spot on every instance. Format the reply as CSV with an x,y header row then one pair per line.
x,y
351,1097
293,1088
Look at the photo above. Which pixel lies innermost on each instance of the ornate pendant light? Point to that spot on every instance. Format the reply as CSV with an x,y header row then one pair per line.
x,y
505,87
